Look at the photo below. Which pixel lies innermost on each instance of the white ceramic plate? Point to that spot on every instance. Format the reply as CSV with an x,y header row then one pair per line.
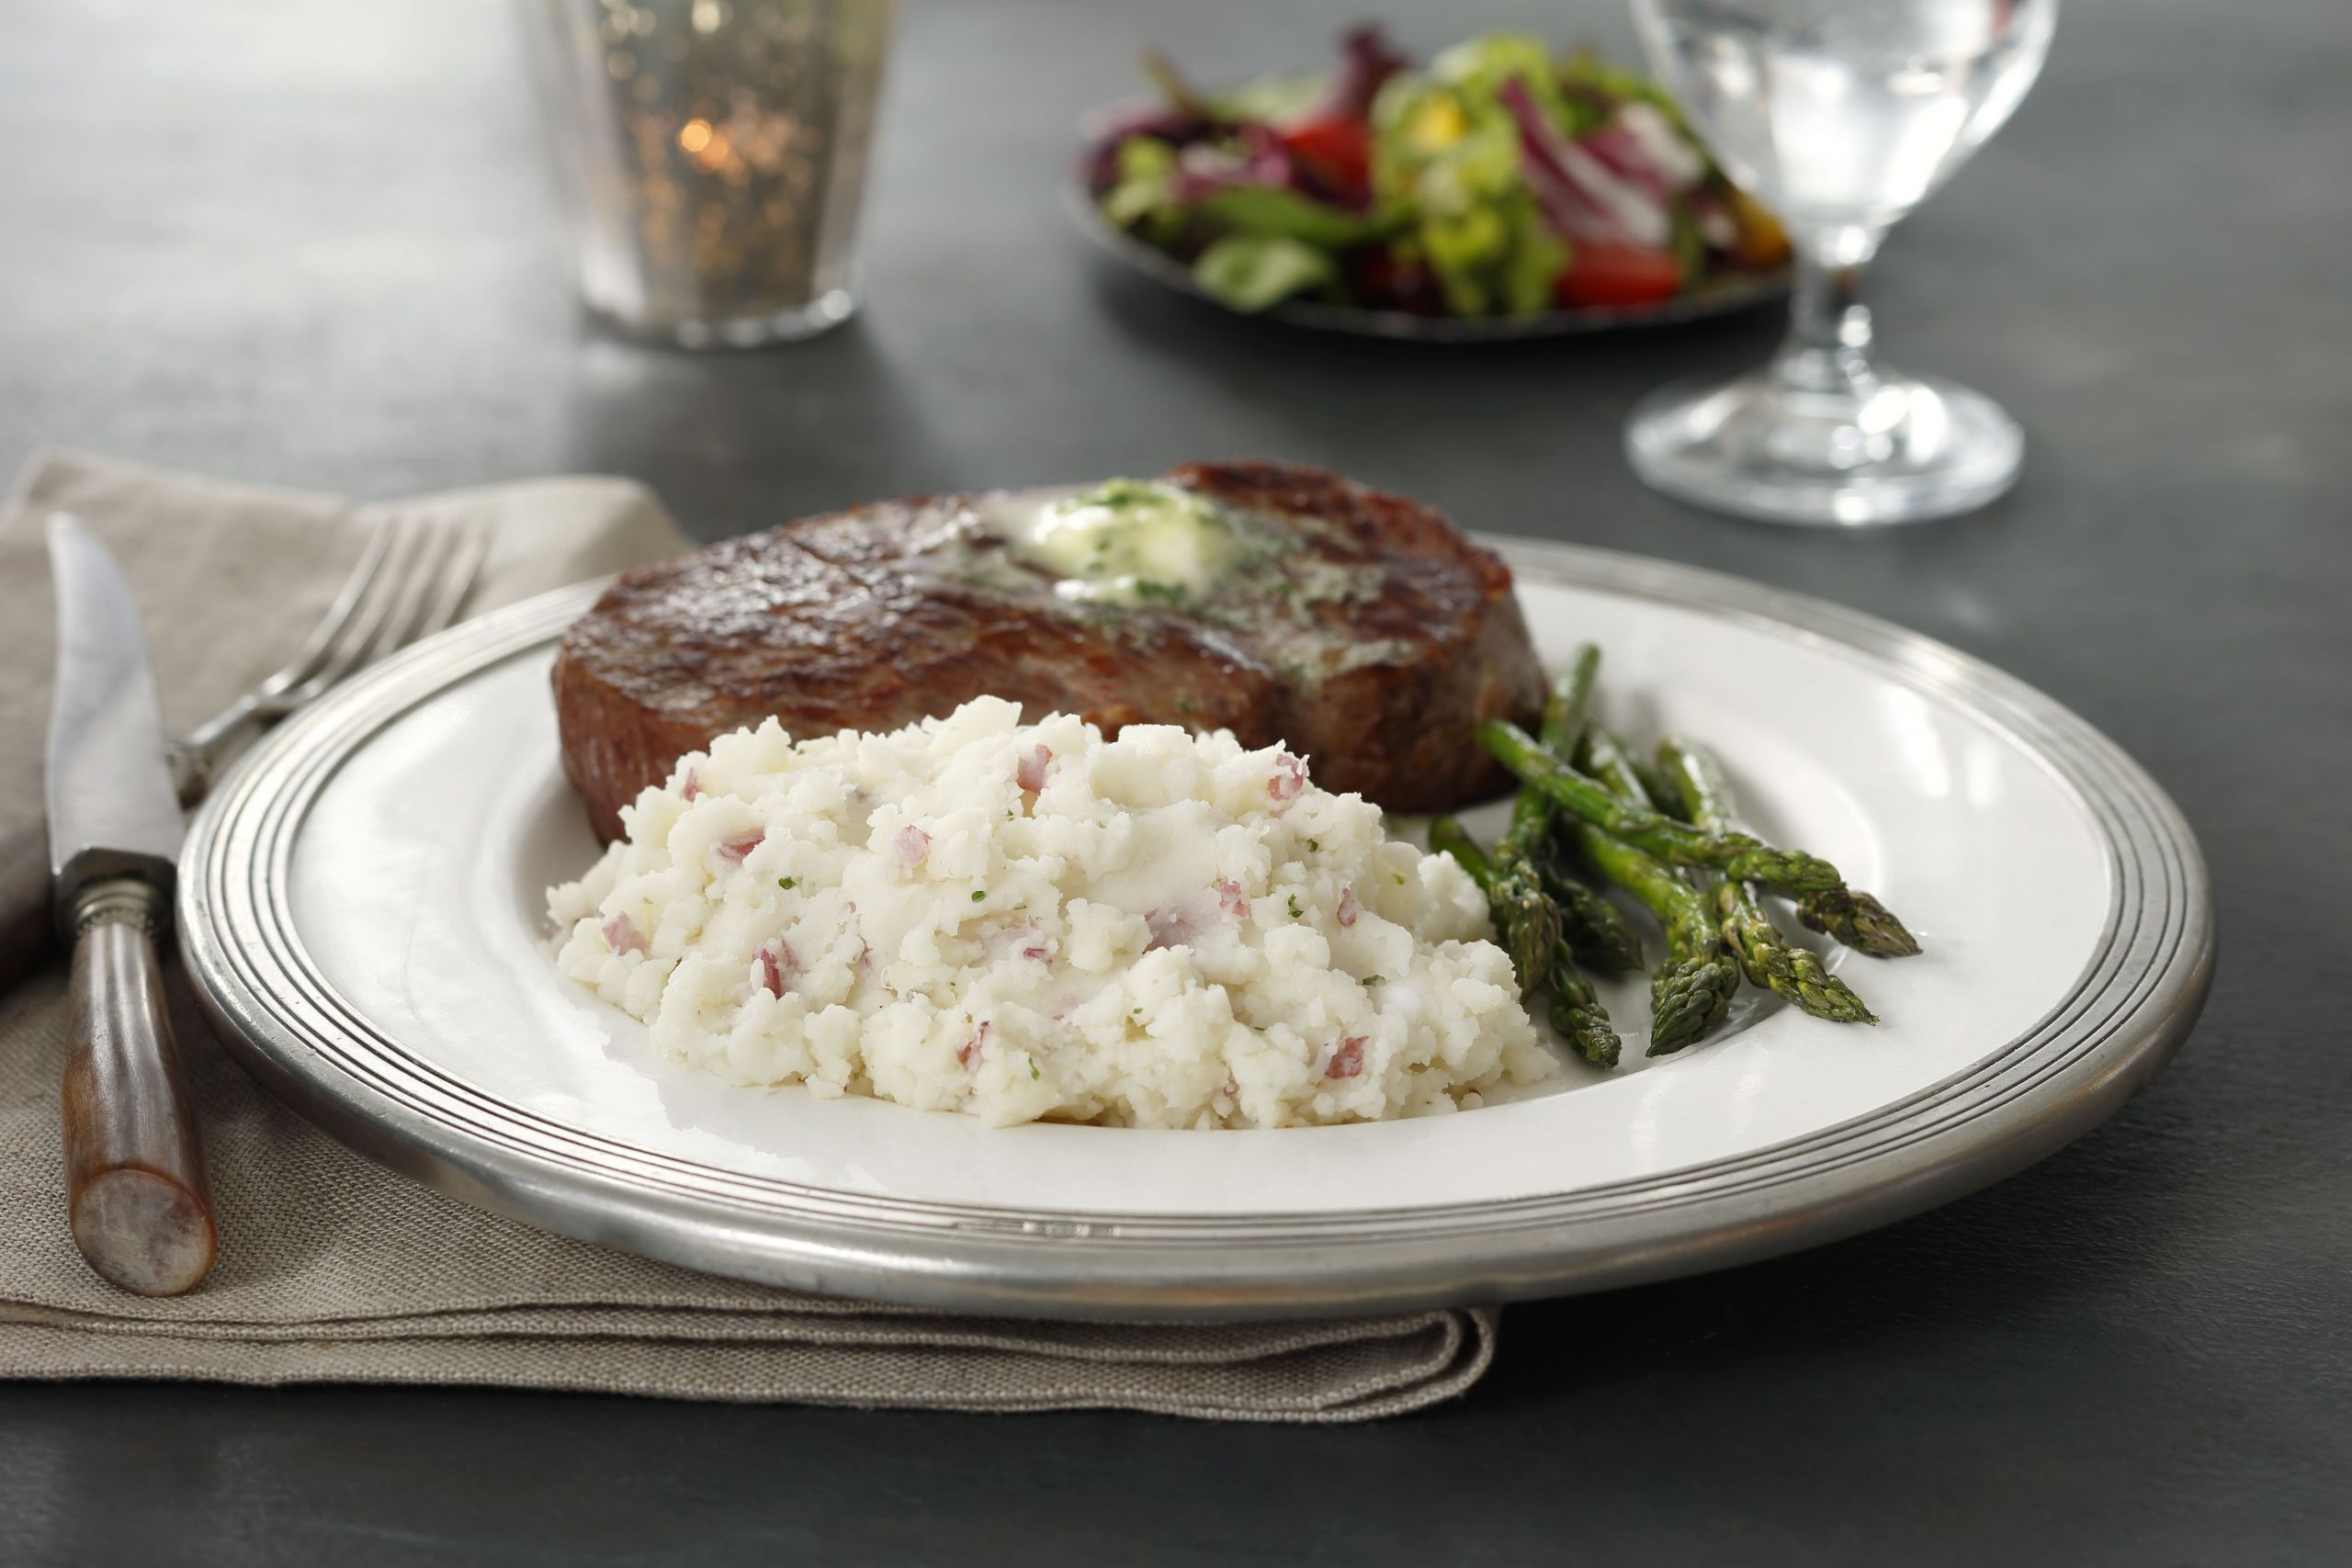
x,y
361,906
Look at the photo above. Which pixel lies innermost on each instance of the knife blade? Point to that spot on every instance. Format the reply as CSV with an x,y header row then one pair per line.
x,y
136,1193
112,810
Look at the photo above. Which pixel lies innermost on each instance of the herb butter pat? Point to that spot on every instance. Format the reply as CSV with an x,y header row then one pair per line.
x,y
1136,542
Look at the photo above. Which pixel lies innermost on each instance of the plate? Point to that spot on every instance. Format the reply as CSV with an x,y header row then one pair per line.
x,y
1718,296
361,911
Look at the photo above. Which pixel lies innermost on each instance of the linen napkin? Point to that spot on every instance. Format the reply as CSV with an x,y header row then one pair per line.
x,y
334,1269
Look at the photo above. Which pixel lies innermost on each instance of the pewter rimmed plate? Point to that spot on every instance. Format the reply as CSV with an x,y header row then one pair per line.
x,y
361,911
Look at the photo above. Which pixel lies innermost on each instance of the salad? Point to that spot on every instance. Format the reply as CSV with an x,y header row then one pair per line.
x,y
1496,181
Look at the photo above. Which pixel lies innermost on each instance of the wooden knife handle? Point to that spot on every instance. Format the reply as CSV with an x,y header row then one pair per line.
x,y
134,1167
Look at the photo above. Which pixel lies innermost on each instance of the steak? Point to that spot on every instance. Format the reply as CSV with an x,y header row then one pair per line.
x,y
1372,642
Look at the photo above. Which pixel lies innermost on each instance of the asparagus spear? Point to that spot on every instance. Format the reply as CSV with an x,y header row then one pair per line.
x,y
1597,934
1569,711
1848,914
1852,915
1526,924
1660,837
1610,762
1689,992
1656,788
1575,1010
1793,972
1859,920
1525,917
1693,963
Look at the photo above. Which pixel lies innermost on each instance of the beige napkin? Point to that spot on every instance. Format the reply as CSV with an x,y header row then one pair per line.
x,y
334,1269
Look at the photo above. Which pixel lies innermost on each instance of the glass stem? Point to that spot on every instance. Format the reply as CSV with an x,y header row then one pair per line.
x,y
1828,345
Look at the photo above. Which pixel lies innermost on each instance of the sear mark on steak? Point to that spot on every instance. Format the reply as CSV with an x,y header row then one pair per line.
x,y
1373,646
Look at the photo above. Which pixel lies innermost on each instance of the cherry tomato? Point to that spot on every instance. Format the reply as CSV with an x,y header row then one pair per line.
x,y
1618,274
1337,148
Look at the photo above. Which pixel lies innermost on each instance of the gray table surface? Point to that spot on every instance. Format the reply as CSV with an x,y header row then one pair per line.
x,y
309,243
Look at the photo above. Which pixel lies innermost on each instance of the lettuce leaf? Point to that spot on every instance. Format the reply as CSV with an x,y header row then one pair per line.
x,y
1251,272
1534,264
1143,197
1478,67
1448,151
1269,211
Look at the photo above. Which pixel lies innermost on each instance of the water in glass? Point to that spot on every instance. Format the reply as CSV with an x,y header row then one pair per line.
x,y
1842,115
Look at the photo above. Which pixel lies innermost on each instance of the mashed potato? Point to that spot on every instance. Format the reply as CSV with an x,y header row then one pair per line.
x,y
1022,921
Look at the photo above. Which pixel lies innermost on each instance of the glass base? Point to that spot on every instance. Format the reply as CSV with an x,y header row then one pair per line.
x,y
823,313
1901,451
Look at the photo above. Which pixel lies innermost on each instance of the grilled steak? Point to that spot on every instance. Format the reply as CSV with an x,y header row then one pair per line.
x,y
1369,635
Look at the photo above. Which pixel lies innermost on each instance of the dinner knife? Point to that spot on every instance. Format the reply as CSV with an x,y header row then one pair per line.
x,y
135,1188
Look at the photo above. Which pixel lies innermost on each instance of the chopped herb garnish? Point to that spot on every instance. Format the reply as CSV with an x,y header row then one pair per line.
x,y
1148,591
1313,845
786,883
978,894
1295,912
1400,881
1183,704
1370,980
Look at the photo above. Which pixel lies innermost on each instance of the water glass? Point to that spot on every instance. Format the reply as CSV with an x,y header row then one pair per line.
x,y
1841,115
710,156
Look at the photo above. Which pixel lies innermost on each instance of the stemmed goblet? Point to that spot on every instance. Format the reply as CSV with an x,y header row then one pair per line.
x,y
1842,116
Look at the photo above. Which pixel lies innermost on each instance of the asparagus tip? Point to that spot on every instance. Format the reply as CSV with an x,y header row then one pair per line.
x,y
1859,920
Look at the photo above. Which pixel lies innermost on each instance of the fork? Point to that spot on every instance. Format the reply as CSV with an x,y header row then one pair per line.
x,y
409,583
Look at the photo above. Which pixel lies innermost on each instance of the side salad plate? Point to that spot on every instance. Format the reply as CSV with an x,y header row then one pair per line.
x,y
1498,192
363,914
1713,297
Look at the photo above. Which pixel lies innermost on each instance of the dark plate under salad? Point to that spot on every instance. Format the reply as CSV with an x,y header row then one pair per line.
x,y
1498,191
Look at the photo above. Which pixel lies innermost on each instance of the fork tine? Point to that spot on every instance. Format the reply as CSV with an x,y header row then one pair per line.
x,y
339,613
410,580
417,593
365,629
315,662
457,582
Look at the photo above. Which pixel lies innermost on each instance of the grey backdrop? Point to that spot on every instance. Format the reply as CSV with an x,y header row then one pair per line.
x,y
309,243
